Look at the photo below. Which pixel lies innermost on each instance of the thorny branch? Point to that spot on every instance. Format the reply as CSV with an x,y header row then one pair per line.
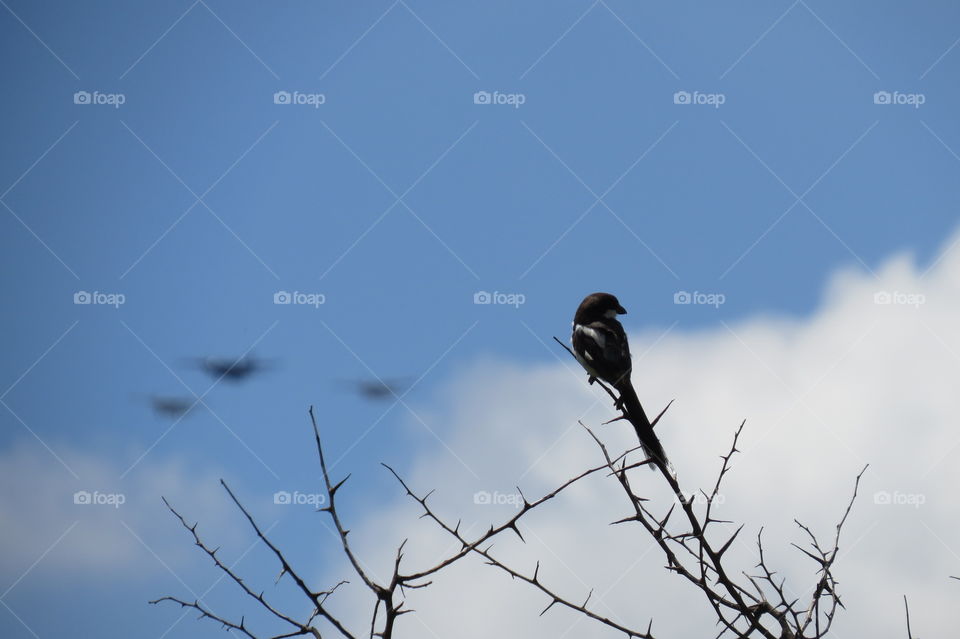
x,y
745,605
752,605
388,604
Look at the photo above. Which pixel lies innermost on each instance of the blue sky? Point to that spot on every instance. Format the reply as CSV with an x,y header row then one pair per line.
x,y
397,199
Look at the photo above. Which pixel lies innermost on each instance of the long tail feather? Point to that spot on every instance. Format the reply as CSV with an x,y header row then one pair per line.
x,y
648,439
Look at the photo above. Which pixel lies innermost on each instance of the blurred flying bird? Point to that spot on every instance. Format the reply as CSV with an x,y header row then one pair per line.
x,y
171,406
377,389
230,369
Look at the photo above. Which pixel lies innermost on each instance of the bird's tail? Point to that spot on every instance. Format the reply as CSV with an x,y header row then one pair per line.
x,y
652,447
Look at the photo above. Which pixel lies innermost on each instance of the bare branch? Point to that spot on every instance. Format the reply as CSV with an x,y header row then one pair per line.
x,y
212,553
745,605
534,579
906,609
205,613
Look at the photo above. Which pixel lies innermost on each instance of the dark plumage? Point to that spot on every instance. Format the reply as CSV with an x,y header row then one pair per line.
x,y
233,370
377,389
601,346
171,406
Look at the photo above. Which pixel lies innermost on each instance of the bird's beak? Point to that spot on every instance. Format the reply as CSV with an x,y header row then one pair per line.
x,y
621,310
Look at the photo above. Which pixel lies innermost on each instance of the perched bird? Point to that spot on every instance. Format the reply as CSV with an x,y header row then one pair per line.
x,y
233,370
600,345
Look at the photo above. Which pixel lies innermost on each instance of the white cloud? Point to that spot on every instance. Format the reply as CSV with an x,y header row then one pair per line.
x,y
124,529
854,382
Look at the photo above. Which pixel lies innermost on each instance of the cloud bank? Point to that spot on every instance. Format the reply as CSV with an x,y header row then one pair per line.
x,y
870,377
99,523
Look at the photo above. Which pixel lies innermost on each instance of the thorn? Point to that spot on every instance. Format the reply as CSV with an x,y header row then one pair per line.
x,y
526,504
730,541
549,606
653,424
669,512
339,484
811,555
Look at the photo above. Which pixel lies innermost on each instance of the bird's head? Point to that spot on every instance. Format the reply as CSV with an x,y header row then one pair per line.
x,y
598,306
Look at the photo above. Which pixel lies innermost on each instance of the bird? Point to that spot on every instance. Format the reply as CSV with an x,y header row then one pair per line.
x,y
377,389
600,345
171,406
233,370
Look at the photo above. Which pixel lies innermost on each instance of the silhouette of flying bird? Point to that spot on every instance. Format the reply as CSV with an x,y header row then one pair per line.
x,y
233,370
600,345
377,389
171,406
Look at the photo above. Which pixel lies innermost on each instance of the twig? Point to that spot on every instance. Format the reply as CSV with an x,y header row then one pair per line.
x,y
906,609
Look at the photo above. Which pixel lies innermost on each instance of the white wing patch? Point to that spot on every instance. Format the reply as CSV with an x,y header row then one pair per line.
x,y
593,334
